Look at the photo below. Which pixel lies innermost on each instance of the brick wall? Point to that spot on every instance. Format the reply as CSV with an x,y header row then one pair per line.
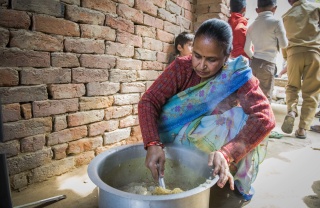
x,y
73,71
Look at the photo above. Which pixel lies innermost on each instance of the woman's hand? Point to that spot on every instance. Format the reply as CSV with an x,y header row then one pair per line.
x,y
221,168
155,160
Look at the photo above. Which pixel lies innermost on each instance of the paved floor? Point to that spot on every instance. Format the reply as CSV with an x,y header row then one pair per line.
x,y
289,177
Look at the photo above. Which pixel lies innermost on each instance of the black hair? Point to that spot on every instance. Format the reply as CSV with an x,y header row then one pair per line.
x,y
237,5
217,30
266,3
182,39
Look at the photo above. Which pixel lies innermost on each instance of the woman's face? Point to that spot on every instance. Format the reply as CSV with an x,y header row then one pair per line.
x,y
207,57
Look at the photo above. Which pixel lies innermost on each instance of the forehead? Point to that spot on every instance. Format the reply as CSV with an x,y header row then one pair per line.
x,y
206,46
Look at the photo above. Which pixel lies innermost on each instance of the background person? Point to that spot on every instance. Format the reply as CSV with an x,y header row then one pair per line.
x,y
301,22
238,24
266,34
182,45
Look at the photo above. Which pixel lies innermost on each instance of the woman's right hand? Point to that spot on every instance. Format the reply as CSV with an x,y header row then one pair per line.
x,y
155,160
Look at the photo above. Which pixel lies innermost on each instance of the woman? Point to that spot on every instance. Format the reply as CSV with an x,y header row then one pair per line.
x,y
205,101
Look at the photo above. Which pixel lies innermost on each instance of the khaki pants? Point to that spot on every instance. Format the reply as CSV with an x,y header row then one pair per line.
x,y
264,71
303,74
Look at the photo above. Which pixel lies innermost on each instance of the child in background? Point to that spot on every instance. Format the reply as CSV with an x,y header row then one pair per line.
x,y
238,25
267,35
183,45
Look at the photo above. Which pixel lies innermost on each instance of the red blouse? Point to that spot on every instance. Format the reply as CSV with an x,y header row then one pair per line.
x,y
178,76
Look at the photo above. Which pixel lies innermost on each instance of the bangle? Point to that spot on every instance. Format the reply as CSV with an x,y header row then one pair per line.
x,y
154,143
225,156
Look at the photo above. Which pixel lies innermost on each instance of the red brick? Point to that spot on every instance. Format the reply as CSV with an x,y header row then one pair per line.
x,y
133,87
136,135
64,60
165,15
126,99
129,121
101,5
9,77
116,136
63,91
118,75
173,8
152,44
26,111
92,103
14,19
99,128
66,135
10,149
11,112
54,8
151,65
84,45
128,64
142,30
159,3
165,36
59,122
53,107
4,37
15,57
84,75
186,24
130,13
33,143
188,15
35,41
84,15
83,145
83,158
146,6
97,61
98,32
130,3
129,39
102,88
162,57
25,128
148,75
119,23
152,21
119,49
144,54
85,117
171,28
73,2
30,94
54,25
168,48
59,151
31,76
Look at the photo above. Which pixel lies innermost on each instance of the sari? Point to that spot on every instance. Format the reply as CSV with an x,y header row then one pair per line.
x,y
187,119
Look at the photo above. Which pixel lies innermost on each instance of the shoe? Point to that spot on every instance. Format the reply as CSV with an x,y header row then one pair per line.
x,y
315,128
299,136
276,135
288,123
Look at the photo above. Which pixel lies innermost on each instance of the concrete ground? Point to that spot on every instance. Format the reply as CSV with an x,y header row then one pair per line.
x,y
289,177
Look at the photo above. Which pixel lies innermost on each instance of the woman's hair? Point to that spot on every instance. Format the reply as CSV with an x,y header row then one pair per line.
x,y
182,39
237,5
218,30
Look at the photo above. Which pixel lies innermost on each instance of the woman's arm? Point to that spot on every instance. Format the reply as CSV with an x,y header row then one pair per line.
x,y
259,124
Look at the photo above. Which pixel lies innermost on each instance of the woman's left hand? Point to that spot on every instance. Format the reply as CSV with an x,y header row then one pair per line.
x,y
221,168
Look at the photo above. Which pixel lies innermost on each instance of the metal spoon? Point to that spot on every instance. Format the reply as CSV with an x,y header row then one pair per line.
x,y
161,178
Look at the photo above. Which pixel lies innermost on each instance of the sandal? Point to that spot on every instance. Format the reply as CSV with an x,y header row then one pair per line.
x,y
299,136
276,135
315,128
288,123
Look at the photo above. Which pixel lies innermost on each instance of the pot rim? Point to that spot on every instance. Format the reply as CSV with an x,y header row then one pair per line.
x,y
95,178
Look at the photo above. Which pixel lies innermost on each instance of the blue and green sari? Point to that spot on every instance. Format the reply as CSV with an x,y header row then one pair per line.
x,y
187,119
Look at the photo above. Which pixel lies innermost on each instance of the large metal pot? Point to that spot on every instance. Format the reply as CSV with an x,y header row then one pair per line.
x,y
125,164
